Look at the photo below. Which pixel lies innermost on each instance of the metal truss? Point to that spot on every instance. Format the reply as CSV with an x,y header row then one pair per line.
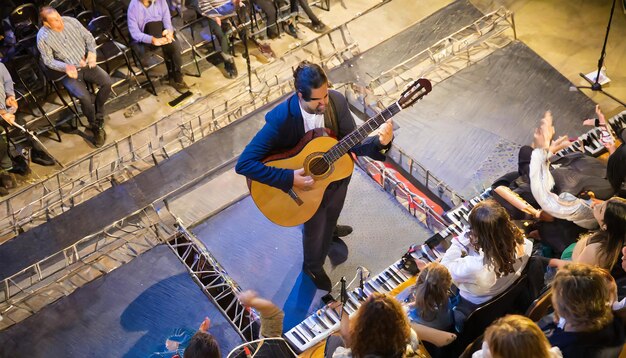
x,y
214,281
57,276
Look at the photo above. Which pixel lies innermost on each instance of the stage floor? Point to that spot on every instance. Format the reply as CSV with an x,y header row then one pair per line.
x,y
129,312
262,256
468,130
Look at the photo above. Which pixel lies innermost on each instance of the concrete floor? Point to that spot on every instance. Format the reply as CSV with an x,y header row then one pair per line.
x,y
567,34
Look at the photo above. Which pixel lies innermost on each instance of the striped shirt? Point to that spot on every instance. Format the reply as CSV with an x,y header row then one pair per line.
x,y
69,46
6,89
209,8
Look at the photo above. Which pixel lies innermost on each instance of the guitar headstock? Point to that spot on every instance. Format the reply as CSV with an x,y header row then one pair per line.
x,y
414,92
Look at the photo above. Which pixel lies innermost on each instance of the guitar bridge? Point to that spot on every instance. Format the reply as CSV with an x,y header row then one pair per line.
x,y
295,197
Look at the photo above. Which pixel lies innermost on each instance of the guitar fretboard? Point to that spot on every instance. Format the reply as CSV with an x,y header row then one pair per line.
x,y
354,138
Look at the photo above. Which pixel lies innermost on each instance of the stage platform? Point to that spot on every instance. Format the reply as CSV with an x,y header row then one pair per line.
x,y
262,256
129,313
468,130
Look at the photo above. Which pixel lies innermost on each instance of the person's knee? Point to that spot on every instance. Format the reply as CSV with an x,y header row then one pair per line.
x,y
106,82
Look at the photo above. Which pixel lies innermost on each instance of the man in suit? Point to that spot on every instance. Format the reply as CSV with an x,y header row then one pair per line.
x,y
312,106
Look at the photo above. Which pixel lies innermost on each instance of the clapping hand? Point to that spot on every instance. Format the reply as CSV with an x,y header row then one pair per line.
x,y
543,135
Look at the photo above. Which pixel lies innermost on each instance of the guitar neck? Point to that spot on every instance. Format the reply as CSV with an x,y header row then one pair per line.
x,y
356,136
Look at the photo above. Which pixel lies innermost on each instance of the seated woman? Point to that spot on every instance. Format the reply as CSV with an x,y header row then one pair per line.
x,y
602,248
380,328
487,260
431,304
584,325
515,336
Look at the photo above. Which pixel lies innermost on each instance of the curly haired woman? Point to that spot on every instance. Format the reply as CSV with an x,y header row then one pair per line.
x,y
487,259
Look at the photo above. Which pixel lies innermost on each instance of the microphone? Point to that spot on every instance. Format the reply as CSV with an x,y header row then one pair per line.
x,y
343,296
361,274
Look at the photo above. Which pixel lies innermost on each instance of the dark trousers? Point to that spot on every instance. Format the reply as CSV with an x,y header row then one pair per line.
x,y
171,51
304,4
220,34
171,54
94,111
269,8
317,233
5,159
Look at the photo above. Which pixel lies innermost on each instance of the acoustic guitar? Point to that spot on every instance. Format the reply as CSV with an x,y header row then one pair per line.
x,y
324,159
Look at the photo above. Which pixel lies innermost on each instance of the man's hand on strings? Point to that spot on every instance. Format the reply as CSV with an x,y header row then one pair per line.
x,y
301,180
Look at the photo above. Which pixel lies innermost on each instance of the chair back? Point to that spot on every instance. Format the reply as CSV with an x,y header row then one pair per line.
x,y
66,7
505,303
99,26
540,307
85,17
24,15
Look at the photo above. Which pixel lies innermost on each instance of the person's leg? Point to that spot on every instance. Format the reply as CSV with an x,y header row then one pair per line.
x,y
317,233
76,87
269,9
172,52
7,180
304,4
37,153
102,79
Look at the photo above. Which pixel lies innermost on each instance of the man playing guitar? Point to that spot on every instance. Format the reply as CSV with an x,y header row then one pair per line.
x,y
312,106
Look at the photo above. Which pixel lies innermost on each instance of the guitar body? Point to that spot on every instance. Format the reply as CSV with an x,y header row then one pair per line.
x,y
280,207
325,160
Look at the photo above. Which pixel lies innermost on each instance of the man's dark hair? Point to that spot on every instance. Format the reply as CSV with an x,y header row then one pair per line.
x,y
308,76
202,345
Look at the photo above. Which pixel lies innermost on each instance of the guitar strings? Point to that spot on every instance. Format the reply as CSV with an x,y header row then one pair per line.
x,y
331,156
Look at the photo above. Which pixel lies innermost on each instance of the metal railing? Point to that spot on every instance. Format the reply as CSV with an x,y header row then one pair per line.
x,y
58,275
415,204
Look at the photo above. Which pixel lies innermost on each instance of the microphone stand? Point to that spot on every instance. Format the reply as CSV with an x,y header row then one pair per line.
x,y
595,85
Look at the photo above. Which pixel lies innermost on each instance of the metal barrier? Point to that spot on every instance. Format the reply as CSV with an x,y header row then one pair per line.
x,y
57,276
414,203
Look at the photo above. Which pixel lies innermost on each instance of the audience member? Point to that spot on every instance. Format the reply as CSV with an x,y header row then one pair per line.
x,y
381,328
271,316
8,108
66,46
516,336
602,248
431,304
150,26
203,344
216,11
487,259
566,205
616,166
584,325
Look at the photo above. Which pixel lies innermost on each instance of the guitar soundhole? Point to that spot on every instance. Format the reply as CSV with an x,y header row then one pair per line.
x,y
318,166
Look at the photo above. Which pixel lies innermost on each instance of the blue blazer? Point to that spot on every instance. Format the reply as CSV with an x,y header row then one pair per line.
x,y
283,130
